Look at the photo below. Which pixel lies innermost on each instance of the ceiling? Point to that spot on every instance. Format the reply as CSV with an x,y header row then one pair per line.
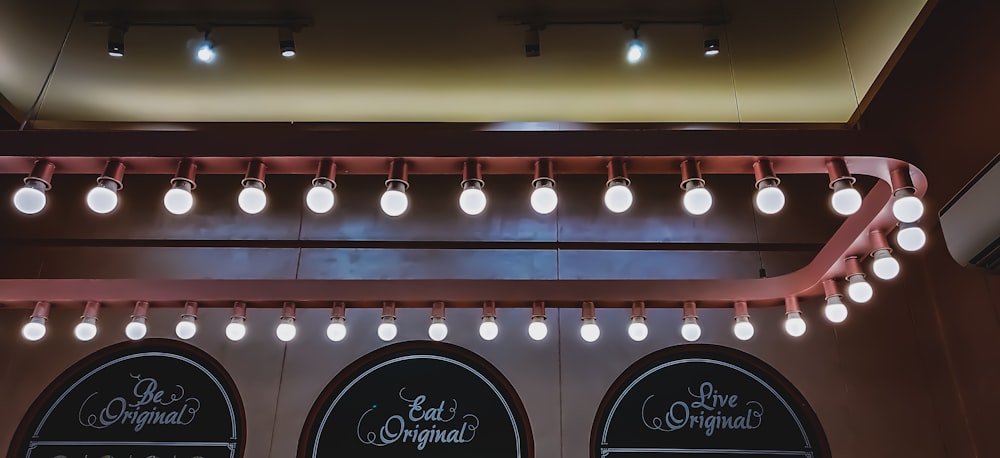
x,y
797,61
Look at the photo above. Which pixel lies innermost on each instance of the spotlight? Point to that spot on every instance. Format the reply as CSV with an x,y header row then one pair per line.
x,y
589,330
906,206
795,326
769,198
206,50
618,196
537,329
845,199
742,329
834,310
697,198
884,265
532,45
34,329
472,201
178,200
858,289
103,198
30,199
438,330
286,41
320,198
910,237
637,328
488,328
136,327
544,199
286,325
712,47
116,41
636,49
690,330
236,330
87,329
394,201
387,328
186,327
252,198
337,329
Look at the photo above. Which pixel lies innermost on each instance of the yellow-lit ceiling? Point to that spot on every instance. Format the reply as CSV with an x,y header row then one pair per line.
x,y
454,61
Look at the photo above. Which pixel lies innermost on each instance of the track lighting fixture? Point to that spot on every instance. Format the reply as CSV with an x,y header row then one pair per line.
x,y
884,266
205,52
845,200
690,330
438,330
858,289
618,197
795,326
387,328
532,44
834,310
337,329
34,329
136,327
286,324
742,329
394,201
697,198
769,198
116,41
910,237
236,330
544,198
187,326
472,201
712,47
635,51
87,328
320,198
537,329
103,198
589,330
488,328
286,41
30,199
906,206
252,198
179,200
637,328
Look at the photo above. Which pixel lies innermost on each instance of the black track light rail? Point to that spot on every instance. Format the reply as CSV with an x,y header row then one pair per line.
x,y
201,21
540,22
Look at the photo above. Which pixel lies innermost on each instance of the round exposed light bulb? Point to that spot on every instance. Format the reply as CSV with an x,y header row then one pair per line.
x,y
489,329
858,289
387,328
907,207
179,199
635,51
103,198
835,310
320,198
252,198
637,329
30,199
544,199
884,265
910,237
236,330
690,330
472,201
337,329
845,199
769,198
206,52
537,330
743,329
795,326
697,199
286,329
589,330
618,197
394,201
86,330
186,327
136,329
34,330
438,330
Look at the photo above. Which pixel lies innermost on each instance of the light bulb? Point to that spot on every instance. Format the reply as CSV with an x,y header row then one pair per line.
x,y
690,330
544,199
387,328
589,330
697,198
438,330
835,310
907,207
845,199
743,329
637,329
320,198
34,330
179,199
186,327
635,51
537,330
206,52
795,326
394,201
489,329
87,329
103,198
910,237
884,265
236,330
30,199
288,53
769,198
337,329
136,329
286,329
472,201
618,197
858,289
252,198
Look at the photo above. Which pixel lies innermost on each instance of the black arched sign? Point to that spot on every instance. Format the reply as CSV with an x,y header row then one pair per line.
x,y
706,401
418,399
154,398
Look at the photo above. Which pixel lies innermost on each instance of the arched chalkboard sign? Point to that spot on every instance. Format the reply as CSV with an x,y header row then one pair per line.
x,y
708,401
153,398
418,399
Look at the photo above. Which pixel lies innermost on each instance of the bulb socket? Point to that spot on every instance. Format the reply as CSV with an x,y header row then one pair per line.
x,y
398,172
543,173
638,309
879,241
472,174
437,310
838,172
532,43
792,304
41,310
141,310
338,310
691,174
326,174
190,309
740,309
42,173
239,310
901,180
853,265
588,311
114,173
690,310
538,309
617,173
489,309
256,171
389,310
830,288
763,172
186,170
91,310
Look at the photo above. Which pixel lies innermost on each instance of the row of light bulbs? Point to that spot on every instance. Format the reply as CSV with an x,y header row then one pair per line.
x,y
206,51
179,199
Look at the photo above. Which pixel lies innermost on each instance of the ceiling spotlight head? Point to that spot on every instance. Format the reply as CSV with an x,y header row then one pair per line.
x,y
532,45
286,324
690,330
544,198
205,53
252,198
35,329
103,198
30,199
742,328
472,201
394,201
387,328
236,330
116,41
187,327
697,198
537,329
320,198
910,237
286,41
635,50
179,199
618,197
712,47
769,198
589,331
136,328
87,328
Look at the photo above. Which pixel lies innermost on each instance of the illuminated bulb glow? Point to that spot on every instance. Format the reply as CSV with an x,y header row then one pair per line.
x,y
537,330
907,207
845,199
387,328
252,198
320,198
697,198
769,198
618,197
743,329
136,329
795,326
394,201
489,329
835,310
635,51
236,330
103,198
206,52
87,329
690,330
337,329
884,265
30,199
286,329
179,200
472,201
544,198
589,330
637,329
288,53
910,237
186,328
858,289
34,330
438,330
